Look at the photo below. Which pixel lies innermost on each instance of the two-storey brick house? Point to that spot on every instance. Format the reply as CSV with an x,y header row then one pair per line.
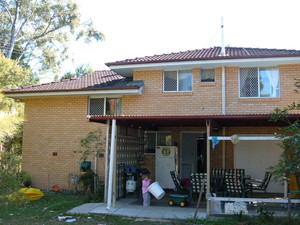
x,y
167,99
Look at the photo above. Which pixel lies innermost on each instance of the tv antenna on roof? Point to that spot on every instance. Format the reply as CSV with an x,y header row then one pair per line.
x,y
223,53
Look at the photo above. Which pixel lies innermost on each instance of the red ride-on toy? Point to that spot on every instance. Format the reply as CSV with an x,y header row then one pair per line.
x,y
181,200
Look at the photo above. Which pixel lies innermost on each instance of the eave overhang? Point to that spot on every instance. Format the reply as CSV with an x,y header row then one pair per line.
x,y
153,122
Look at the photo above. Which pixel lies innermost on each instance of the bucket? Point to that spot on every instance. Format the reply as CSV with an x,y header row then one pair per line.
x,y
156,190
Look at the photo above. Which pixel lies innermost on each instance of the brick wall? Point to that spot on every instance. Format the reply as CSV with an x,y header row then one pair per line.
x,y
265,105
55,125
206,99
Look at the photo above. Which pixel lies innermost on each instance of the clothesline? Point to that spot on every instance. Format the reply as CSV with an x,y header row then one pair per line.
x,y
260,138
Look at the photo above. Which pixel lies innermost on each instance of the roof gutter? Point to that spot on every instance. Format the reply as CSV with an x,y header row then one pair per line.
x,y
137,91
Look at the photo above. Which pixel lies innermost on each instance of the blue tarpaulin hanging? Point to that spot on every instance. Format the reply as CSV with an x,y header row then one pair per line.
x,y
215,141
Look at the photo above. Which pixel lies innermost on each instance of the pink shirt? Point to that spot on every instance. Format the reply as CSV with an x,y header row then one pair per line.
x,y
145,185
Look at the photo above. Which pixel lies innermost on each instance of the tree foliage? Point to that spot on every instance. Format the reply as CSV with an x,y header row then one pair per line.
x,y
289,162
11,111
38,31
12,76
79,72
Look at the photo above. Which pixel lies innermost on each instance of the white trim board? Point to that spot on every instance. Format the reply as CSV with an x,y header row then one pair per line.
x,y
270,200
75,93
258,138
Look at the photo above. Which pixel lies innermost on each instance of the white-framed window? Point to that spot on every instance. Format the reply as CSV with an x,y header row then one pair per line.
x,y
156,138
207,76
259,82
178,81
105,106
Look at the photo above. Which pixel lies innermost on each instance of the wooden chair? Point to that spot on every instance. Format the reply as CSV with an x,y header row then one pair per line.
x,y
235,186
261,185
196,181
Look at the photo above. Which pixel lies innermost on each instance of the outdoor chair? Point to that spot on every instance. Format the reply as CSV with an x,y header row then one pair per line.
x,y
179,188
196,182
217,180
238,172
261,185
235,186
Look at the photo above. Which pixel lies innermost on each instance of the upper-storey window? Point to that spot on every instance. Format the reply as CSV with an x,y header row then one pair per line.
x,y
178,81
105,106
260,82
207,76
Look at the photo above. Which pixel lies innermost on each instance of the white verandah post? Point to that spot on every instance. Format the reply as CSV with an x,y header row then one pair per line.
x,y
111,164
106,160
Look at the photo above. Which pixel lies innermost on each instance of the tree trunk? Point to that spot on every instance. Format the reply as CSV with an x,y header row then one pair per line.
x,y
13,32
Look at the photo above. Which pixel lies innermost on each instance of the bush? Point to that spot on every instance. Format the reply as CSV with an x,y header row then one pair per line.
x,y
25,178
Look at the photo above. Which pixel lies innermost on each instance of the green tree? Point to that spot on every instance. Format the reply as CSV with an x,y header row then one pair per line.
x,y
289,162
38,31
79,72
11,111
11,126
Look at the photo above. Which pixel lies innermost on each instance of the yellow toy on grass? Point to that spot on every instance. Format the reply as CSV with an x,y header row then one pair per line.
x,y
32,193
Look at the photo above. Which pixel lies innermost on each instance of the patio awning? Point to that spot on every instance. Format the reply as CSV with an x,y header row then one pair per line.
x,y
152,122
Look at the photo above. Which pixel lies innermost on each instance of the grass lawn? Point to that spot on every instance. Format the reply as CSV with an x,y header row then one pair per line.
x,y
52,205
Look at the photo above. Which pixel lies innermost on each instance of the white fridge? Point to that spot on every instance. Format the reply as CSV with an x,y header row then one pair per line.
x,y
165,161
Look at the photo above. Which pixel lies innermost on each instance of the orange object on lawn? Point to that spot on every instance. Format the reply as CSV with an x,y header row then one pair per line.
x,y
55,188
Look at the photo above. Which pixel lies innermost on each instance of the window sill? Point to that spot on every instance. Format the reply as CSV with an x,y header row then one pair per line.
x,y
260,99
207,84
177,93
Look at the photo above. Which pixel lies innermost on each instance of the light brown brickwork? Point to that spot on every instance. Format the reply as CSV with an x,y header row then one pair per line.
x,y
206,99
55,125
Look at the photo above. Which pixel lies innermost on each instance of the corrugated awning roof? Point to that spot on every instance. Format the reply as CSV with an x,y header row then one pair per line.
x,y
152,122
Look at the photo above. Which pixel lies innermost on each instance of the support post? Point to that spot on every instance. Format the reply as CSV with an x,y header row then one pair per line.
x,y
208,165
106,160
111,164
115,175
224,149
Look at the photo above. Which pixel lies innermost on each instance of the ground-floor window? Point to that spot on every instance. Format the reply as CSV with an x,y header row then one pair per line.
x,y
156,138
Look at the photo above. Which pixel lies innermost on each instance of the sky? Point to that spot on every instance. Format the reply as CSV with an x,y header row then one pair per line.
x,y
137,28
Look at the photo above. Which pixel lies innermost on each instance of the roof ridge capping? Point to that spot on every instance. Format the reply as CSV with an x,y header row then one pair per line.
x,y
212,53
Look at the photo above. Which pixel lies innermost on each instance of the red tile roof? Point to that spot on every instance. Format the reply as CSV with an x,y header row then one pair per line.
x,y
105,79
210,54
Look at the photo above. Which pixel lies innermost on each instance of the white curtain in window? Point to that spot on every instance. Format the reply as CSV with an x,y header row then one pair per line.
x,y
273,76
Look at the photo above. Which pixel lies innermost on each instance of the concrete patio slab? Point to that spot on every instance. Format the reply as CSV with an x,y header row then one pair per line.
x,y
123,208
85,208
